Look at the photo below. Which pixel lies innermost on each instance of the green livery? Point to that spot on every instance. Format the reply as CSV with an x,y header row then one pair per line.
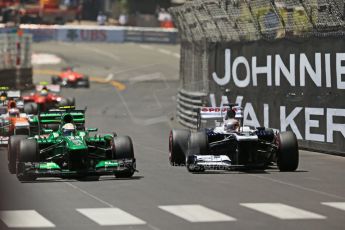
x,y
54,152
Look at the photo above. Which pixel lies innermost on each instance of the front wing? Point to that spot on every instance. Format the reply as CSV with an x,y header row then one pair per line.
x,y
50,169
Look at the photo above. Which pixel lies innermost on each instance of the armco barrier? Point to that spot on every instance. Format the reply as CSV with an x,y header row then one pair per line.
x,y
188,105
90,33
15,60
299,88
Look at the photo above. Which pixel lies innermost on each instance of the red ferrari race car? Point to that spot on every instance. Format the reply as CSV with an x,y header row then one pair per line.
x,y
45,98
70,78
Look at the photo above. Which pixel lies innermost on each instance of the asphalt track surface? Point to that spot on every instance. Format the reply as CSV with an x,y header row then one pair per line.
x,y
160,196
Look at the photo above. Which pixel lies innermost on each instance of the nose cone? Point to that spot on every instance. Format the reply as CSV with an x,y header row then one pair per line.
x,y
71,77
40,100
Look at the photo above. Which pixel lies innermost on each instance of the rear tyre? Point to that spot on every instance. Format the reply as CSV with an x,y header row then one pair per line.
x,y
86,82
123,149
55,80
197,145
63,102
178,144
13,145
71,101
288,156
28,152
30,108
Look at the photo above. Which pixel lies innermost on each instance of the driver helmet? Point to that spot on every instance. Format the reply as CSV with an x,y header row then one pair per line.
x,y
14,112
3,96
44,92
68,129
231,125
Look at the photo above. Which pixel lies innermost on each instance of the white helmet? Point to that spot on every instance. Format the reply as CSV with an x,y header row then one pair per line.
x,y
68,129
13,112
231,125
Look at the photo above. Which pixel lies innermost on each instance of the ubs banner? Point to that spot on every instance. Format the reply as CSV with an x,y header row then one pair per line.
x,y
286,85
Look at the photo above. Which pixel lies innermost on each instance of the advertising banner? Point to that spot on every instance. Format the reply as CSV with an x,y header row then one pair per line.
x,y
90,35
286,85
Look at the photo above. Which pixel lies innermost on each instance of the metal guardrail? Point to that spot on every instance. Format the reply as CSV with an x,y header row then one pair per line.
x,y
188,105
15,51
15,60
91,33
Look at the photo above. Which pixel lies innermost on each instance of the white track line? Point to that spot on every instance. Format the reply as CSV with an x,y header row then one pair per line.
x,y
25,219
110,216
337,205
196,213
282,211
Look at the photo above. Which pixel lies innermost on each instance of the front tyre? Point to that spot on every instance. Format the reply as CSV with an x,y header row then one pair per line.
x,y
197,145
30,108
178,144
288,155
28,152
55,80
123,149
13,148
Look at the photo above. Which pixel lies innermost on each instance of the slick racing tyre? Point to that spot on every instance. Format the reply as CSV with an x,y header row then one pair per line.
x,y
178,144
84,82
70,101
13,144
63,102
288,156
197,145
123,149
28,152
55,80
30,108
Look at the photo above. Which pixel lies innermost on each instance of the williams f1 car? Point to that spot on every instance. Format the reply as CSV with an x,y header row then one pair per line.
x,y
70,78
71,151
229,145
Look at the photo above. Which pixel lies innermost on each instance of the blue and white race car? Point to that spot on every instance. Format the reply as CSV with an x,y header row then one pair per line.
x,y
228,144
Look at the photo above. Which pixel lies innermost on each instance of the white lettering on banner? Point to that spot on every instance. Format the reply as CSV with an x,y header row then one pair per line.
x,y
213,100
250,117
245,82
313,124
340,70
328,70
226,79
326,115
280,67
224,101
266,115
332,127
262,70
305,65
286,121
315,72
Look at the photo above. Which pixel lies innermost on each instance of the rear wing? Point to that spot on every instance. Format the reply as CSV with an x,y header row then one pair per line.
x,y
13,94
212,112
51,88
56,116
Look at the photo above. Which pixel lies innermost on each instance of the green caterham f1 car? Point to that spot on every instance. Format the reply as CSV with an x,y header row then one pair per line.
x,y
69,150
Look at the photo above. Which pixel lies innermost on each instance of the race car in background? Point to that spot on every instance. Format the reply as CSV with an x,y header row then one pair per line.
x,y
7,95
71,152
222,142
70,78
46,97
13,123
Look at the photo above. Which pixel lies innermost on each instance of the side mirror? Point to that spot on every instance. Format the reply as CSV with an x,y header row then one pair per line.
x,y
47,130
92,129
